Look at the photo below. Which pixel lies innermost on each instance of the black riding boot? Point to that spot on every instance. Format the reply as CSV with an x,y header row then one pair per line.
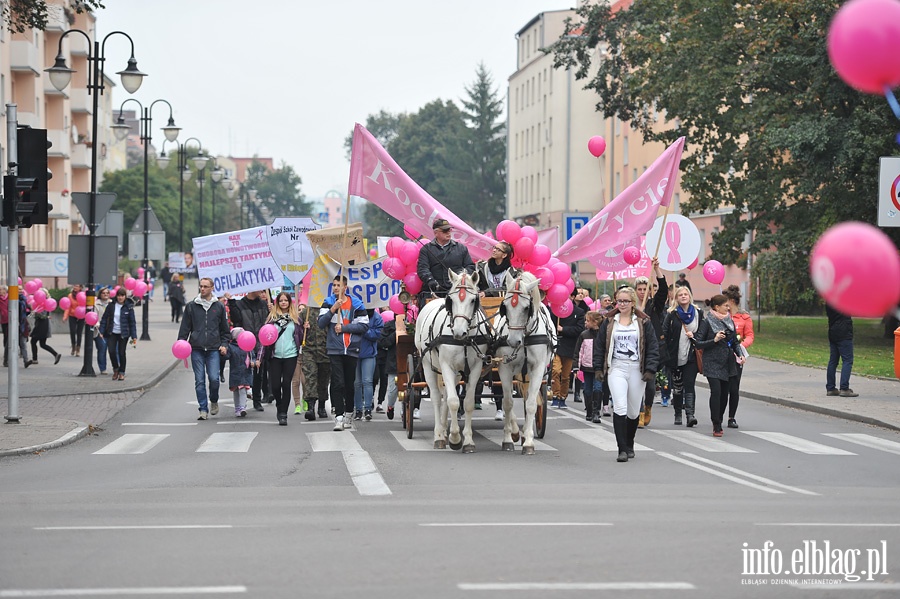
x,y
678,404
620,426
595,407
632,424
689,400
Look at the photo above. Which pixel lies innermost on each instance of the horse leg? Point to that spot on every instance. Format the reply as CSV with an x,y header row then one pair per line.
x,y
471,389
534,387
452,401
440,432
506,378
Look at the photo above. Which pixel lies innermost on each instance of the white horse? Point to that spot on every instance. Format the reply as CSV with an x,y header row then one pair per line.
x,y
450,336
527,327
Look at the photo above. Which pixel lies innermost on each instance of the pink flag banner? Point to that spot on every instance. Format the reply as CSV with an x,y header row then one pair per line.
x,y
549,237
630,214
375,177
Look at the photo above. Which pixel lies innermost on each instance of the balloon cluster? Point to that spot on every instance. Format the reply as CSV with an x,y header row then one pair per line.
x,y
36,297
554,275
136,287
401,265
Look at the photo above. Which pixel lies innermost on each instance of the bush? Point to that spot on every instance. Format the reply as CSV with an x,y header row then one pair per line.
x,y
784,283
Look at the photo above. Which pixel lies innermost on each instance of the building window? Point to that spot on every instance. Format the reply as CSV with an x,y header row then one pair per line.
x,y
624,150
618,183
634,174
550,131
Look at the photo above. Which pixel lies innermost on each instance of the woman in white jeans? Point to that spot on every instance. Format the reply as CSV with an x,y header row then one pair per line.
x,y
626,357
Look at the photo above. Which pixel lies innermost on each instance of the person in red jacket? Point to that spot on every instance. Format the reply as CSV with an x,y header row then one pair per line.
x,y
743,326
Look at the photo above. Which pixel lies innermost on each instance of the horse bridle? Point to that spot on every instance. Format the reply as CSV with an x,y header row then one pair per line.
x,y
461,295
516,293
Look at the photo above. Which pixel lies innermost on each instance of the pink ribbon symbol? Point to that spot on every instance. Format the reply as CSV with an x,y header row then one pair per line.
x,y
673,238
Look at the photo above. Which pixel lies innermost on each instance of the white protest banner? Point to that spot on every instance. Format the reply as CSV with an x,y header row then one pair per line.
x,y
290,247
237,262
681,244
176,260
366,281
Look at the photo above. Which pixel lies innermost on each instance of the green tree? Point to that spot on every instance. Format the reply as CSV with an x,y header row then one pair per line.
x,y
20,15
487,141
162,193
771,130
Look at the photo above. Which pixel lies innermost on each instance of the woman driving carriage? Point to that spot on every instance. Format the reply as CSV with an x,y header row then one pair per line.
x,y
492,272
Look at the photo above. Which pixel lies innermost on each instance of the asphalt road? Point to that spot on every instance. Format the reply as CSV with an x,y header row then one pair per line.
x,y
158,504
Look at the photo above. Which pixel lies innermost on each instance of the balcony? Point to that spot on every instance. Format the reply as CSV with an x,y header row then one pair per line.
x,y
27,119
81,101
81,156
60,141
56,19
23,56
78,45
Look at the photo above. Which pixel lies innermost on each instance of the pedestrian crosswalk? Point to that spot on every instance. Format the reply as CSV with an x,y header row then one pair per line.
x,y
597,437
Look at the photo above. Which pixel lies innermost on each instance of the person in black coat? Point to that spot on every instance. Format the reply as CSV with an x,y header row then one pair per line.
x,y
568,329
117,326
840,340
679,327
438,257
718,340
626,355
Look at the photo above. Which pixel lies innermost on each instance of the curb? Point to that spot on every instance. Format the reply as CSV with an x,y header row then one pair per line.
x,y
154,380
70,437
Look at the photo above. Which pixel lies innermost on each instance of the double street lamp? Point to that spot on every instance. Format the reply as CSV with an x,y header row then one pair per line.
x,y
184,171
121,132
60,76
215,175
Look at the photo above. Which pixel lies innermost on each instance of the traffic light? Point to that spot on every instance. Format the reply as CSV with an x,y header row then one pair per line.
x,y
33,206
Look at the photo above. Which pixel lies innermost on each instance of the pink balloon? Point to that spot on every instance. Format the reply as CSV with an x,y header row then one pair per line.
x,y
30,287
130,283
246,341
81,298
150,286
393,247
409,253
631,255
596,146
394,268
569,285
91,319
49,304
181,349
373,253
410,232
413,283
541,255
564,309
40,296
864,44
395,304
140,288
38,282
30,302
140,273
546,277
561,272
856,269
524,248
714,272
693,264
114,290
388,315
268,334
529,267
530,232
509,231
80,312
65,302
557,294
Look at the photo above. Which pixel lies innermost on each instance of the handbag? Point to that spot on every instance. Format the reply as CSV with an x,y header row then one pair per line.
x,y
697,352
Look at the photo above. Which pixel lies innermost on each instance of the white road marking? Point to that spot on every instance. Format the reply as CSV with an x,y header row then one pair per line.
x,y
227,443
466,524
159,424
333,441
365,474
576,586
868,441
496,437
755,477
601,439
701,441
131,444
797,444
419,443
708,470
245,421
136,527
846,524
122,591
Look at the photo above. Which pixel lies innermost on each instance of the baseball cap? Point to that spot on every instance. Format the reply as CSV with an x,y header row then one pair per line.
x,y
441,223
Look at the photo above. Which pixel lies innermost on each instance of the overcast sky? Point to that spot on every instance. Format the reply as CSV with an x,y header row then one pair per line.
x,y
288,79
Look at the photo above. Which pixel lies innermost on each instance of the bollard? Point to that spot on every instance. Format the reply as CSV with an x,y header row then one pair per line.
x,y
897,353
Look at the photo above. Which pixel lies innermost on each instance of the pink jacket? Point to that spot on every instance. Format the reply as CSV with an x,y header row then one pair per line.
x,y
586,355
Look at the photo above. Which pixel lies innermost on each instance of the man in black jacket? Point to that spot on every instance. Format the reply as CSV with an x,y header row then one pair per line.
x,y
840,339
206,325
568,330
250,313
440,255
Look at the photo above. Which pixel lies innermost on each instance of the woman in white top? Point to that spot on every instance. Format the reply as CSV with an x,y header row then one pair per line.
x,y
626,353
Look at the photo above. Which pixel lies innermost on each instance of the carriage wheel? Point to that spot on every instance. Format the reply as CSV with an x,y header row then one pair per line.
x,y
540,413
411,394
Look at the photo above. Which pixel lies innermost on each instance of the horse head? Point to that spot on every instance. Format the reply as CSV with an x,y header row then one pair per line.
x,y
462,303
520,305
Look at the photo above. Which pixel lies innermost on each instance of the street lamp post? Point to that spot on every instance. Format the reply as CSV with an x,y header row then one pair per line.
x,y
60,76
215,175
184,172
121,132
200,163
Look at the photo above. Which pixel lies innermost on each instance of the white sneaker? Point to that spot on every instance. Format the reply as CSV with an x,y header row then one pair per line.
x,y
348,421
498,415
338,423
416,414
203,416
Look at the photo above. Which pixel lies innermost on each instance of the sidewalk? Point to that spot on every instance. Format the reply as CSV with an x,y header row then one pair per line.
x,y
59,407
56,406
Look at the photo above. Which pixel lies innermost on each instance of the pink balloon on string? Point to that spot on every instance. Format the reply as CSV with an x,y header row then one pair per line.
x,y
50,304
546,277
413,283
80,312
529,232
30,287
40,296
394,268
631,255
246,341
409,253
569,285
557,294
714,272
596,146
388,315
509,231
541,255
561,271
410,232
130,283
65,302
140,288
395,304
863,282
864,44
91,319
563,309
81,298
524,248
181,349
393,247
140,273
693,264
38,282
268,334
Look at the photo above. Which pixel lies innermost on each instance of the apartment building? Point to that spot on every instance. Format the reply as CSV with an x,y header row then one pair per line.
x,y
550,173
68,117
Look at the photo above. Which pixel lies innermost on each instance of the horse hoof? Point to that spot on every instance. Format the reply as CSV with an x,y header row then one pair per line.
x,y
508,446
440,445
456,446
469,449
528,450
515,437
